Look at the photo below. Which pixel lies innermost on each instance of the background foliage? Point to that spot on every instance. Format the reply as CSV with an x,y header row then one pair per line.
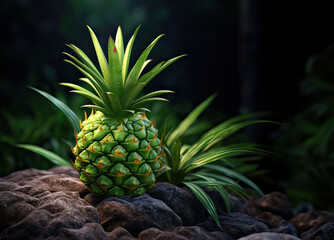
x,y
252,53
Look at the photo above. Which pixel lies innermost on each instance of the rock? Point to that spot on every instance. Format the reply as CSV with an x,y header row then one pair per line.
x,y
181,201
183,233
155,234
236,225
277,224
42,204
276,203
87,232
14,206
120,234
237,204
33,182
305,221
94,199
320,233
198,233
269,236
136,214
54,204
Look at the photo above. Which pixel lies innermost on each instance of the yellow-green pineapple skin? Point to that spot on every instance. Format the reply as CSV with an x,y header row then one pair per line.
x,y
118,157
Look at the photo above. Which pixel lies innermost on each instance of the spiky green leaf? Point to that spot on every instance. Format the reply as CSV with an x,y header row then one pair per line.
x,y
146,101
131,93
115,69
101,57
116,105
90,80
84,92
105,111
127,54
138,67
119,44
87,69
85,59
153,94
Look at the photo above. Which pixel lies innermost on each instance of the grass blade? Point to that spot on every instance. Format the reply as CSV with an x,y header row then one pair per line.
x,y
236,175
56,159
223,193
72,118
189,120
205,201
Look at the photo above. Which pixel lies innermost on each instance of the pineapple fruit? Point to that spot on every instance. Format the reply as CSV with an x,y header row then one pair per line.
x,y
117,151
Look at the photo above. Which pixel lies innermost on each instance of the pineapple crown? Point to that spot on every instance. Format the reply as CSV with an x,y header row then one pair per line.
x,y
116,87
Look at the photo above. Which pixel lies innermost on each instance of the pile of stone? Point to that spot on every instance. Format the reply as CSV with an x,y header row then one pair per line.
x,y
54,204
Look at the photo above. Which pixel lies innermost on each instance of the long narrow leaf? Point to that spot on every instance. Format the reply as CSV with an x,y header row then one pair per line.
x,y
138,67
215,185
233,174
85,59
115,103
146,79
218,177
214,180
100,57
72,118
146,101
205,200
215,135
189,120
221,153
119,44
56,159
105,111
82,91
87,69
154,94
131,93
225,131
90,80
223,193
115,69
127,54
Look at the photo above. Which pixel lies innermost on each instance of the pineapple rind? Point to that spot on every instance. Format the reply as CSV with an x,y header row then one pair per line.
x,y
117,158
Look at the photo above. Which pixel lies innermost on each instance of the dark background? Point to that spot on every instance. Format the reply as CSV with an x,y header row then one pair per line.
x,y
253,53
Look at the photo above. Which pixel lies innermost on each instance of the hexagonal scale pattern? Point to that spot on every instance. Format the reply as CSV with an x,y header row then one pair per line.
x,y
118,158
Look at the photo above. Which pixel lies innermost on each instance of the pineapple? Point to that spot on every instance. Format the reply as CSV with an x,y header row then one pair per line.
x,y
117,151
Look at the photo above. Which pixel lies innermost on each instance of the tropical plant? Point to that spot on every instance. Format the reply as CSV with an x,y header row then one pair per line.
x,y
35,124
117,147
206,163
307,138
